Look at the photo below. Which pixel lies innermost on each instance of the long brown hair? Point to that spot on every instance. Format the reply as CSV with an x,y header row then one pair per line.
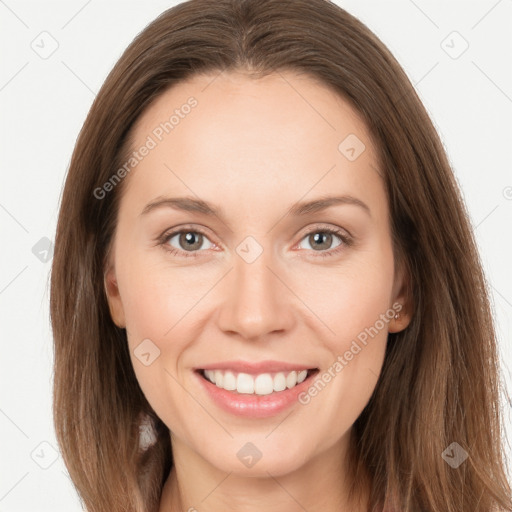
x,y
440,381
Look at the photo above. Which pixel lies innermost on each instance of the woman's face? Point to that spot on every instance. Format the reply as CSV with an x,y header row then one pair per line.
x,y
262,290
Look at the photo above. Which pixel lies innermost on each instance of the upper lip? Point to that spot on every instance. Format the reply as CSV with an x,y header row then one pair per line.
x,y
256,367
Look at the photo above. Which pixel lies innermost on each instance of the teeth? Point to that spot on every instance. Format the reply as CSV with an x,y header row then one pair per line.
x,y
219,378
244,383
262,384
291,379
301,376
229,381
279,382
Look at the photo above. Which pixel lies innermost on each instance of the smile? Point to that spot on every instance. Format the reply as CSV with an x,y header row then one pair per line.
x,y
254,390
260,384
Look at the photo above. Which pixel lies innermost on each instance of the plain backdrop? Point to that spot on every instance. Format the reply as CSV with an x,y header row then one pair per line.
x,y
55,57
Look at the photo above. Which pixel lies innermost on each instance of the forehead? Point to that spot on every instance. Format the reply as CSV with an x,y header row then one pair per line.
x,y
284,132
262,107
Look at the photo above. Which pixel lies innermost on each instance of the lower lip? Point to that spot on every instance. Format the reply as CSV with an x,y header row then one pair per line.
x,y
252,405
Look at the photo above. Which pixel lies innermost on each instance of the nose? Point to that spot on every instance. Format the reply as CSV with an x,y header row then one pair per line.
x,y
256,300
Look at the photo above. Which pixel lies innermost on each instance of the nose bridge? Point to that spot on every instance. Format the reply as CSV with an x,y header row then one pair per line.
x,y
256,302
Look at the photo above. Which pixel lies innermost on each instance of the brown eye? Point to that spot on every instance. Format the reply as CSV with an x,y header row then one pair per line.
x,y
187,241
190,240
322,239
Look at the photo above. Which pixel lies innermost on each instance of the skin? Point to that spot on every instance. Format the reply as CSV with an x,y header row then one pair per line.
x,y
253,148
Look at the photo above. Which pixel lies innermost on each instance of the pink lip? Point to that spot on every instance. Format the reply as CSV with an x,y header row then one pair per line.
x,y
256,368
253,406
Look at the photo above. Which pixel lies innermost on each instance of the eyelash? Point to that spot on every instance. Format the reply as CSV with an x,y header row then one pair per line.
x,y
163,240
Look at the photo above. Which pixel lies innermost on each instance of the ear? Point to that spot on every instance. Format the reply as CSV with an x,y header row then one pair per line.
x,y
401,300
113,296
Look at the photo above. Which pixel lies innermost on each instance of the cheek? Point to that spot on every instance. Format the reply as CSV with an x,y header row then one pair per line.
x,y
352,311
347,299
159,303
157,297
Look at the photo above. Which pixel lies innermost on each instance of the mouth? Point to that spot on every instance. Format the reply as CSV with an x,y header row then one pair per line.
x,y
264,383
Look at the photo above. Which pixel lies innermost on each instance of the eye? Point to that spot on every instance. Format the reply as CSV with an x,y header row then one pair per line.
x,y
185,241
320,240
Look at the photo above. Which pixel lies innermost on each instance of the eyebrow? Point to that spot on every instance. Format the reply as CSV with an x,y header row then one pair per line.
x,y
191,204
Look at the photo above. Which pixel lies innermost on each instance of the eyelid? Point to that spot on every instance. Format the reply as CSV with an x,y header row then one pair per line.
x,y
327,227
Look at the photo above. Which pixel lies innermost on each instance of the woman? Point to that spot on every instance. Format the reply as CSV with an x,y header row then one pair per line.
x,y
209,354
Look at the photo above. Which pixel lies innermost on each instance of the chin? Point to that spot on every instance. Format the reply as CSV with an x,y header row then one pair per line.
x,y
258,458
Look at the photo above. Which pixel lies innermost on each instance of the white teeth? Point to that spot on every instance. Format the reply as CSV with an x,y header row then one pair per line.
x,y
291,379
301,376
245,383
219,378
229,381
279,382
262,384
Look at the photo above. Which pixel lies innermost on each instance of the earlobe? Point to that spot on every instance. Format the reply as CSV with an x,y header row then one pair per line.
x,y
114,298
402,304
401,319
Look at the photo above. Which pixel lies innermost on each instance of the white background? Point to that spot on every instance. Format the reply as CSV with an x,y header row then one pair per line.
x,y
45,101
